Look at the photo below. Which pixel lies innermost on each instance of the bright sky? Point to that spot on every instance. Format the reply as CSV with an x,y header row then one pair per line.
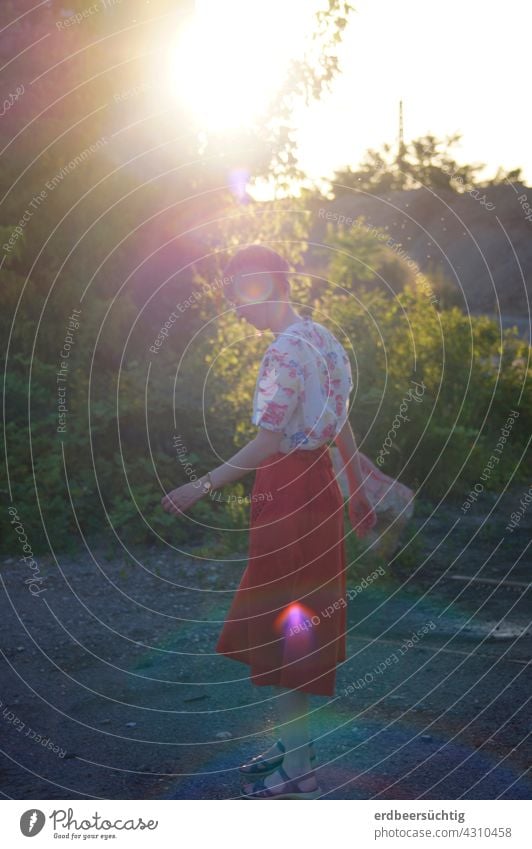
x,y
460,66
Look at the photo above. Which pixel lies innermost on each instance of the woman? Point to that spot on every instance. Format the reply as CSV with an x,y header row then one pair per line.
x,y
287,620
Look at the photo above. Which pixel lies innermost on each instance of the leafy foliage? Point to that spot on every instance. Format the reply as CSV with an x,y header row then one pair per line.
x,y
425,161
128,241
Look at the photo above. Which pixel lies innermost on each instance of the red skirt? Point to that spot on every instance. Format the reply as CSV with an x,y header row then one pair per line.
x,y
287,620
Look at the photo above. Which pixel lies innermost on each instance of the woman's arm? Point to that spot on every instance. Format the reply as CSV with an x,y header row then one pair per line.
x,y
264,445
345,440
361,511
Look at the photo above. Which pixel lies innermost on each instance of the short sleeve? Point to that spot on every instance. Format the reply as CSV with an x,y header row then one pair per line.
x,y
350,377
277,391
348,385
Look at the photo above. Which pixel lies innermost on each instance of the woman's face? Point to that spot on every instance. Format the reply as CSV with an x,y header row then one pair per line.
x,y
250,298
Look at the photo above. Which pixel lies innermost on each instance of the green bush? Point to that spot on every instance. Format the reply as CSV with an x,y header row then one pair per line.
x,y
107,473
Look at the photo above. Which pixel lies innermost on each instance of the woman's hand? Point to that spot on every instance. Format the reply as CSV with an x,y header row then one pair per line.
x,y
361,514
180,499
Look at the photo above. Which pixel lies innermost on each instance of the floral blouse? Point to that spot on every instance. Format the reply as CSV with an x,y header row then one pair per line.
x,y
303,386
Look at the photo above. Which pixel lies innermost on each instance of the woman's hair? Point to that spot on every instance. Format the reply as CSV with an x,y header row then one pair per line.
x,y
257,259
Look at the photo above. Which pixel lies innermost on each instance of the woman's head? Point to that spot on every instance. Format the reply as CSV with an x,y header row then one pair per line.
x,y
259,288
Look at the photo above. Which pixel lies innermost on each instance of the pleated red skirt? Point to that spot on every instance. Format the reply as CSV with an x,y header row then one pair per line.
x,y
287,620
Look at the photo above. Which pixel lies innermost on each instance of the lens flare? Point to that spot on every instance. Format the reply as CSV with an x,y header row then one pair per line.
x,y
295,619
253,288
226,64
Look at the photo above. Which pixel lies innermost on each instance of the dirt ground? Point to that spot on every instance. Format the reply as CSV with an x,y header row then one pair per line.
x,y
111,688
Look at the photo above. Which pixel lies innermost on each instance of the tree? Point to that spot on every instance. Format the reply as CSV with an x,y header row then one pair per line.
x,y
503,176
134,214
426,161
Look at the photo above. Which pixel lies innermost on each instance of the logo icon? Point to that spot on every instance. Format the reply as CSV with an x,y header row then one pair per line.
x,y
32,822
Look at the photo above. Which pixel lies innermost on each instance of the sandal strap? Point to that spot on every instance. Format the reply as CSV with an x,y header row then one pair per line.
x,y
259,764
260,759
259,791
263,766
291,785
294,783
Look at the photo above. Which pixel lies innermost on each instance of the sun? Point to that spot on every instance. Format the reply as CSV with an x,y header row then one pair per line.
x,y
228,62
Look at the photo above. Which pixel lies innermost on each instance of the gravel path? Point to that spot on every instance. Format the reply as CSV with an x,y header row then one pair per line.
x,y
111,687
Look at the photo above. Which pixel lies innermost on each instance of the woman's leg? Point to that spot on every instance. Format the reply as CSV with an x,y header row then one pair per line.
x,y
294,732
293,716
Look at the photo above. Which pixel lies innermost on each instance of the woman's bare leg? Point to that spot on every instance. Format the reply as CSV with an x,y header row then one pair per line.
x,y
292,706
294,731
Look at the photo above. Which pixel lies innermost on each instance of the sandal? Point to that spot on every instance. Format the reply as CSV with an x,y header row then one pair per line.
x,y
291,789
264,766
